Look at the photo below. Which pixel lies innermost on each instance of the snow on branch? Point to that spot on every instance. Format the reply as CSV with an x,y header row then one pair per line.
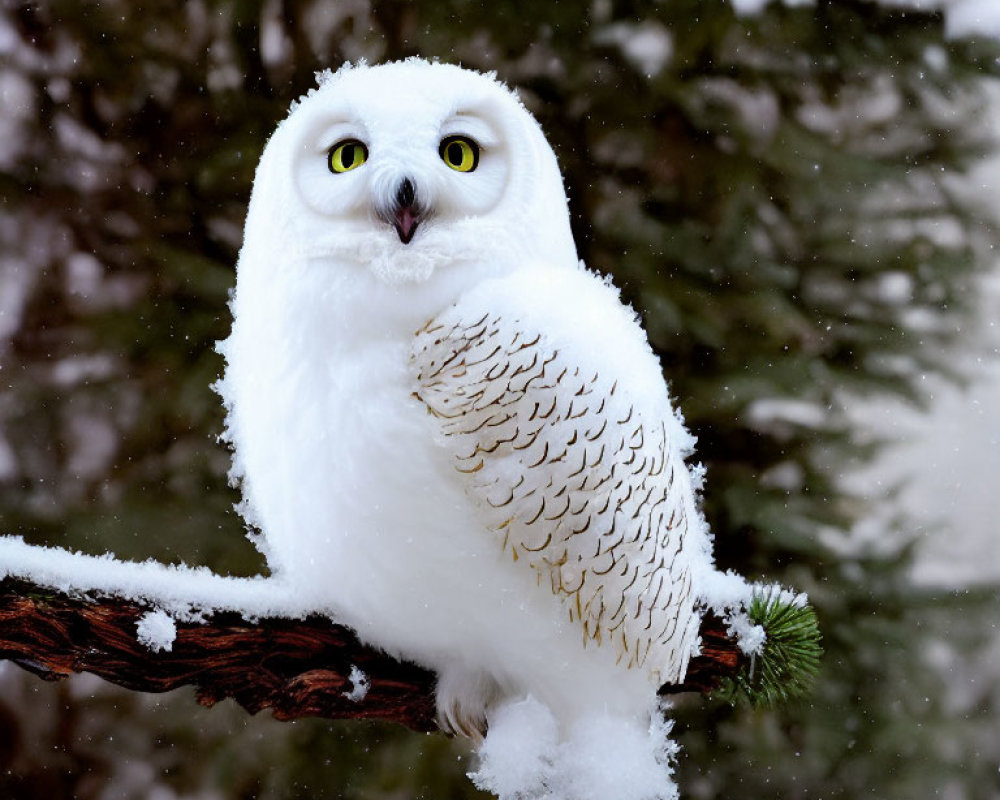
x,y
294,667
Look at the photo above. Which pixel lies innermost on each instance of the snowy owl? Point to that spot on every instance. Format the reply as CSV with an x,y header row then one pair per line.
x,y
453,437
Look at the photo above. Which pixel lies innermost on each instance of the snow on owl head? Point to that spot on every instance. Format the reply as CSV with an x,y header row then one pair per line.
x,y
453,437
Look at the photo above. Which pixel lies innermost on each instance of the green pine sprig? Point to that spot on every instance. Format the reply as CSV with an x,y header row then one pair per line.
x,y
788,663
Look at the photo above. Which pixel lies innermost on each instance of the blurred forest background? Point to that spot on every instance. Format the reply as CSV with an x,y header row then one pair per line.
x,y
781,196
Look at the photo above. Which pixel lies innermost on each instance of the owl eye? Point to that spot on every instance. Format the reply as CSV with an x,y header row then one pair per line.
x,y
460,153
347,155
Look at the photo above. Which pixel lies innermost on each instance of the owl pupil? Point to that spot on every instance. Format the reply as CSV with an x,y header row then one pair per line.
x,y
455,153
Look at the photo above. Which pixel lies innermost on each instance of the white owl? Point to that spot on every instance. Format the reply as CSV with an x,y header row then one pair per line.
x,y
452,436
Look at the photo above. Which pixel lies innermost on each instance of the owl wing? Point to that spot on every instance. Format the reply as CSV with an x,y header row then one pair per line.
x,y
577,481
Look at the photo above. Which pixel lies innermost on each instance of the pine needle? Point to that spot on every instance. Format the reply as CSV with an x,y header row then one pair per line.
x,y
785,669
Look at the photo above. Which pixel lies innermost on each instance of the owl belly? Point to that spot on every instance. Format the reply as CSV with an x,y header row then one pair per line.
x,y
377,528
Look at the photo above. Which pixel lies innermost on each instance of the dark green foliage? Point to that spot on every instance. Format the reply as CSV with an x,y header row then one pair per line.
x,y
786,667
778,201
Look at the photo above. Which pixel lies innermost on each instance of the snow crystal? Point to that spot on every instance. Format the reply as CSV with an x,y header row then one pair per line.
x,y
360,684
157,630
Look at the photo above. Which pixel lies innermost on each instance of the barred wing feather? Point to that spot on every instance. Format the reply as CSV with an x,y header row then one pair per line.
x,y
572,478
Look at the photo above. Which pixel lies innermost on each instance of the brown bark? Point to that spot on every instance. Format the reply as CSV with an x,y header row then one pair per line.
x,y
296,668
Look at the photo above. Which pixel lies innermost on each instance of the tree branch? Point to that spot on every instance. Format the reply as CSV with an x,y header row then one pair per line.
x,y
296,668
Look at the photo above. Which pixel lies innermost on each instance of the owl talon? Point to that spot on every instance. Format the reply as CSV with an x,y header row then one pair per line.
x,y
455,722
462,700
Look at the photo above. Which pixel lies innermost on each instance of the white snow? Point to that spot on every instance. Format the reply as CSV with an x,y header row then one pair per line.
x,y
184,592
945,464
526,757
962,17
749,637
647,45
728,596
519,750
722,591
360,684
750,7
16,282
19,104
941,471
971,17
775,412
157,630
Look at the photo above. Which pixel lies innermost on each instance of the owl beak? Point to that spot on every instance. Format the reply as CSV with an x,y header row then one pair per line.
x,y
407,219
407,214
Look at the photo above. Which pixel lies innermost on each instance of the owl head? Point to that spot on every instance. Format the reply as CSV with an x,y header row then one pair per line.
x,y
408,169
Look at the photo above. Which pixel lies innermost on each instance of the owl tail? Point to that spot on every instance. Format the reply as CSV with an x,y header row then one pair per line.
x,y
525,756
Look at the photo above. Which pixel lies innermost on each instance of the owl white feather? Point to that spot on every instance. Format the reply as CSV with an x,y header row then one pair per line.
x,y
452,436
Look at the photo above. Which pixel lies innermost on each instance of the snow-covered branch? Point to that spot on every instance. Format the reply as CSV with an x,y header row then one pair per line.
x,y
294,667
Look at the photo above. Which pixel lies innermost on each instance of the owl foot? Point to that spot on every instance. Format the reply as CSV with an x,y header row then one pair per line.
x,y
462,699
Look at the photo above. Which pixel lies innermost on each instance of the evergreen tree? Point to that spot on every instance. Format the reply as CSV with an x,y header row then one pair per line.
x,y
775,194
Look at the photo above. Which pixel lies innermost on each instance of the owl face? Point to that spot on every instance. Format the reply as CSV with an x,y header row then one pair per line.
x,y
409,159
407,168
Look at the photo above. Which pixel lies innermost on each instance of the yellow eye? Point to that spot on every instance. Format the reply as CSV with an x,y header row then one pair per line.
x,y
347,155
460,153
